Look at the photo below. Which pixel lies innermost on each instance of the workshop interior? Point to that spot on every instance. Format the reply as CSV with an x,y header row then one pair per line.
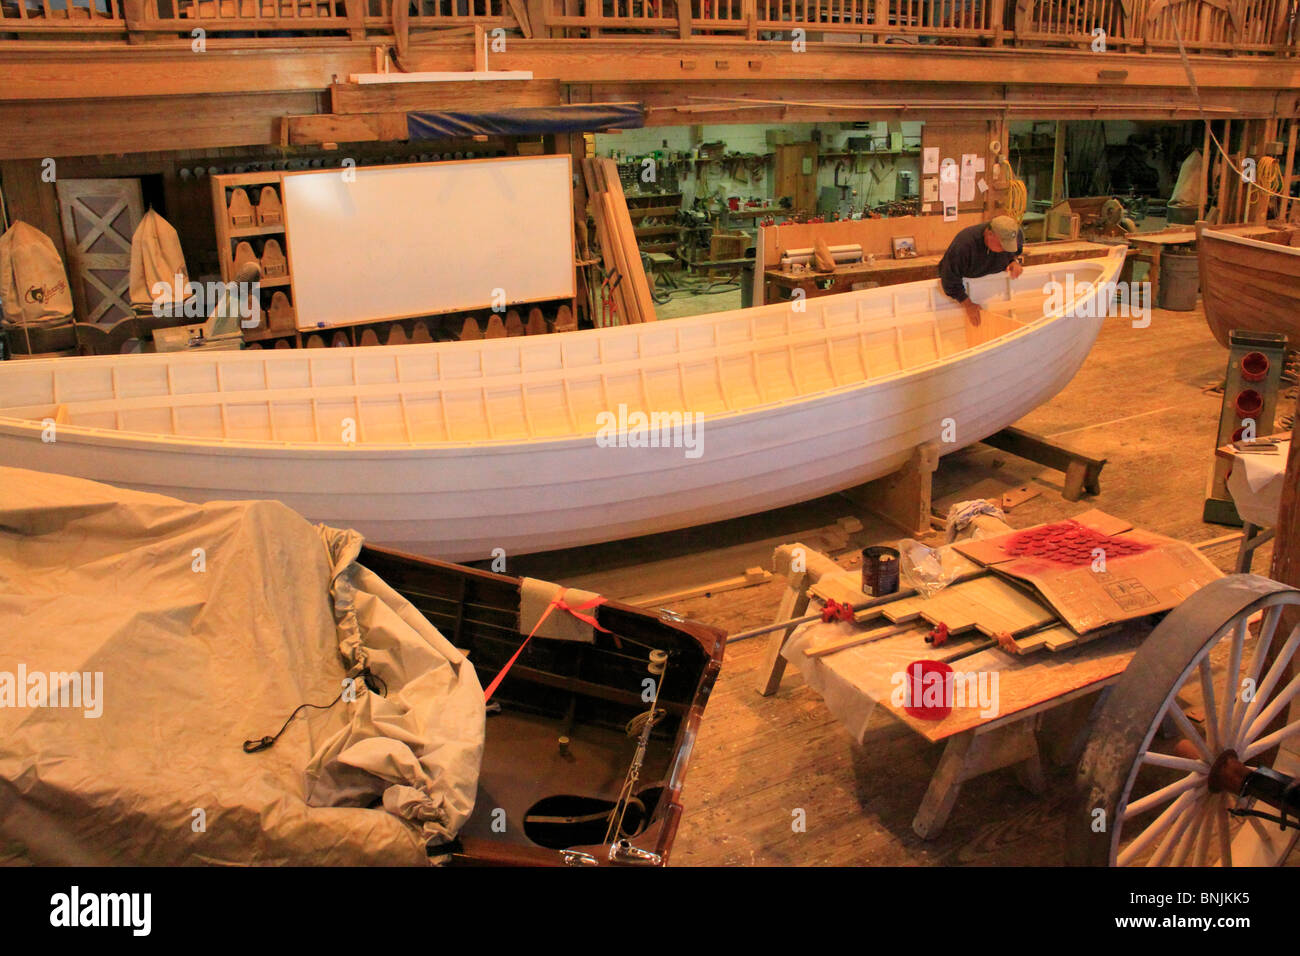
x,y
649,433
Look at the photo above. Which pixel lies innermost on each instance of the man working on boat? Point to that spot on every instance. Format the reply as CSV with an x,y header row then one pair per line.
x,y
981,250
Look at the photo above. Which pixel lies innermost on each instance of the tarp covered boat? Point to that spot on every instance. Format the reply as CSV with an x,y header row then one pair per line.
x,y
150,648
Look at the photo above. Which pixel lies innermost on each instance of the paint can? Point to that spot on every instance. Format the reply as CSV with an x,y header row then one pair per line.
x,y
879,571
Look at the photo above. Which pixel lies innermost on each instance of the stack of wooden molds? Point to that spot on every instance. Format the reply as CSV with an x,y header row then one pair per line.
x,y
618,246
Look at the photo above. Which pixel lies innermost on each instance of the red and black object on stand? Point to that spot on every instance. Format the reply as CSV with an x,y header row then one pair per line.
x,y
1250,393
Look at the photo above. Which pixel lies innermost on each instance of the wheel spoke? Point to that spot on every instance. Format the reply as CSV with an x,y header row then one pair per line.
x,y
1175,763
1188,840
1272,740
1190,732
1186,810
1269,713
1152,800
1232,686
1157,827
1265,687
1207,694
1267,629
1204,835
1225,837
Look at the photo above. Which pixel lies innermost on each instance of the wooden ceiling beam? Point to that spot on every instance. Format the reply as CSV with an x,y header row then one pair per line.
x,y
67,72
472,95
85,127
345,128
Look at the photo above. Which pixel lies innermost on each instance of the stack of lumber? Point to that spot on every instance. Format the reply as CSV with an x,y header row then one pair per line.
x,y
980,607
618,248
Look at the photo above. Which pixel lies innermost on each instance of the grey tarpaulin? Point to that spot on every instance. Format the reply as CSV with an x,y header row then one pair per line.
x,y
525,121
202,626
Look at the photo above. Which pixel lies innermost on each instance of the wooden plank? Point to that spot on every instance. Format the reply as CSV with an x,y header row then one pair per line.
x,y
794,603
854,640
352,128
1221,200
623,223
1206,165
1285,565
1025,685
612,243
750,578
1284,208
453,95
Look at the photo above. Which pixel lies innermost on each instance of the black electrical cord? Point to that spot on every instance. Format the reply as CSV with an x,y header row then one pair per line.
x,y
372,681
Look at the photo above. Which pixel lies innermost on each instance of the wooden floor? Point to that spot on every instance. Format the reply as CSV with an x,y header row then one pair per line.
x,y
1138,402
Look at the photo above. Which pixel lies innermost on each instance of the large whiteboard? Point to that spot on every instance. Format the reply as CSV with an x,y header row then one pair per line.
x,y
397,241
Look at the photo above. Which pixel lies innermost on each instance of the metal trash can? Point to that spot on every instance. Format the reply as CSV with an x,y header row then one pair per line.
x,y
1180,280
747,285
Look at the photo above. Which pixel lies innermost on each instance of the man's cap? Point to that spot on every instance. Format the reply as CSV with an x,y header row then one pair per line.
x,y
1007,230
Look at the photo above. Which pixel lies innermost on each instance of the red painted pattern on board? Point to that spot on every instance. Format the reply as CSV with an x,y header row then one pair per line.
x,y
1068,542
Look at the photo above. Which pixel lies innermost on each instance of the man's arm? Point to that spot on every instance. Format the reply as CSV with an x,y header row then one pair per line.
x,y
950,274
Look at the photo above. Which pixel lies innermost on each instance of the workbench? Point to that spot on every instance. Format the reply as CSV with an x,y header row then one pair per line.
x,y
1044,695
779,286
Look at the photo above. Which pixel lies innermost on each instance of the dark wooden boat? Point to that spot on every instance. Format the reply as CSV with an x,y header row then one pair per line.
x,y
557,755
1251,283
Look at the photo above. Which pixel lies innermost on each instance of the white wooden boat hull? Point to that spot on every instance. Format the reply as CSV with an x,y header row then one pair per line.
x,y
461,501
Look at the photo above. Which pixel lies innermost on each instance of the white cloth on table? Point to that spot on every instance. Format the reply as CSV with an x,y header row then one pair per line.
x,y
1256,485
851,681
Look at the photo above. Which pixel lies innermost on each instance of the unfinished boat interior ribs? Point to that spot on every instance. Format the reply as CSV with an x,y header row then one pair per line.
x,y
572,714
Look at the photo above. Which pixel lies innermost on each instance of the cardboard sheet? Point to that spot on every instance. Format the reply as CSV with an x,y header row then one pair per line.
x,y
1097,570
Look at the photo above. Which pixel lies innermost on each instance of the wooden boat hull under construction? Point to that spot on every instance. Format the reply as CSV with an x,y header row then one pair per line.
x,y
554,797
1251,283
459,449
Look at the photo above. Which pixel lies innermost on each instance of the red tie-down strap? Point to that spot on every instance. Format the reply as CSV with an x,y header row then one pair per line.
x,y
557,603
835,611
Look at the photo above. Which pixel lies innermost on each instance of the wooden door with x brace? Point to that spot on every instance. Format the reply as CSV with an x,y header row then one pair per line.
x,y
99,218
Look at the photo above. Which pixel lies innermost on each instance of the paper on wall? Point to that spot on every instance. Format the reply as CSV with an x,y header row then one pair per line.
x,y
930,190
931,164
979,164
967,193
983,186
948,189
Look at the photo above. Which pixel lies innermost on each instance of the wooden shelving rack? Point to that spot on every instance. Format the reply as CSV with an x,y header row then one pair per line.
x,y
257,234
656,237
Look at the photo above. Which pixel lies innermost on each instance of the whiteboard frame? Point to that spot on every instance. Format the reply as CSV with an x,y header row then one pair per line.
x,y
348,323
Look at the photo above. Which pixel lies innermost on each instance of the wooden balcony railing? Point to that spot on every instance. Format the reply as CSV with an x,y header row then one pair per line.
x,y
1216,27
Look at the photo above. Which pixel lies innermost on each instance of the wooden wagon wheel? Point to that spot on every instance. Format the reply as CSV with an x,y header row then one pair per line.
x,y
1186,798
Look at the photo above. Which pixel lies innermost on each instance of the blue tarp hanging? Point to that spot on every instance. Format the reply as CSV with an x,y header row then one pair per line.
x,y
525,121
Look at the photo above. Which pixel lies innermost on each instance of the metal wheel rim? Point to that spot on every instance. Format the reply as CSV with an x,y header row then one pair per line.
x,y
1176,652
